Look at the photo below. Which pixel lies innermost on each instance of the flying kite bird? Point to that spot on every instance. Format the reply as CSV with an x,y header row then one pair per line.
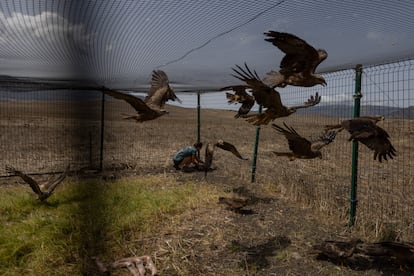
x,y
268,97
299,63
240,96
152,106
365,130
42,189
301,147
208,159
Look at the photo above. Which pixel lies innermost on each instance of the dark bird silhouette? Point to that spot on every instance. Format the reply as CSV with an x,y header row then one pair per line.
x,y
42,189
401,254
209,151
240,96
152,107
336,251
301,147
268,97
234,204
365,130
299,63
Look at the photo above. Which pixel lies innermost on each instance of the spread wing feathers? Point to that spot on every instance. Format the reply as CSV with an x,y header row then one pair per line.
x,y
299,55
229,147
323,140
208,158
297,144
240,96
366,131
160,91
51,186
33,183
139,105
264,95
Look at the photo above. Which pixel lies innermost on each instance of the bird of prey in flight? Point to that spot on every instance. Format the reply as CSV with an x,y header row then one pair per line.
x,y
42,189
209,151
268,97
365,130
240,96
152,106
299,63
301,147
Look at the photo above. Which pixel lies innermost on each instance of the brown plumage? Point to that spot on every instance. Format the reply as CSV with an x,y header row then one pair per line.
x,y
299,63
234,204
365,130
42,189
152,107
240,96
209,151
337,251
301,147
268,98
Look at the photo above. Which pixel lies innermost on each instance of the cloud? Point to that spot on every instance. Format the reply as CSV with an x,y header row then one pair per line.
x,y
43,34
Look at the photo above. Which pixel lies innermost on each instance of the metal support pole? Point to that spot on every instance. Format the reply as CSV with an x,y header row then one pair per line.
x,y
256,146
198,120
354,176
102,132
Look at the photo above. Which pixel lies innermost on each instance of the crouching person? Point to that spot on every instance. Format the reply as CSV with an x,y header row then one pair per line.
x,y
186,159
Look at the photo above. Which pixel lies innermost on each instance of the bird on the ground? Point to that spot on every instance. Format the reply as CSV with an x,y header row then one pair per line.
x,y
43,190
301,147
209,151
299,63
234,204
365,130
152,106
268,97
240,96
336,251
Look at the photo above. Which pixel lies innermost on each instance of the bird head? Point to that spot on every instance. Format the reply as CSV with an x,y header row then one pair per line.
x,y
320,80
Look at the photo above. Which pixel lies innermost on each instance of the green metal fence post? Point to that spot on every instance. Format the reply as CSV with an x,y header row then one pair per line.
x,y
102,132
256,146
357,105
198,120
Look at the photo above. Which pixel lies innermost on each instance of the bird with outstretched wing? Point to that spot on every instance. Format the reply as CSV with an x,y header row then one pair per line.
x,y
299,63
152,106
365,130
209,151
240,96
301,147
268,97
42,189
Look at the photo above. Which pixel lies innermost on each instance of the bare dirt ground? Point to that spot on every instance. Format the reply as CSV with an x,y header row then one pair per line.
x,y
294,204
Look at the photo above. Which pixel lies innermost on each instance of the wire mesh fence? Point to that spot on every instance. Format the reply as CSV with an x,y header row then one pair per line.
x,y
43,131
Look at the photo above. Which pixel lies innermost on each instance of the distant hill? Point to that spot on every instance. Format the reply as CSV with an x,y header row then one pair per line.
x,y
344,110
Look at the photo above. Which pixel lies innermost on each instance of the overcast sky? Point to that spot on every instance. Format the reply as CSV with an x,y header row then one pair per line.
x,y
119,42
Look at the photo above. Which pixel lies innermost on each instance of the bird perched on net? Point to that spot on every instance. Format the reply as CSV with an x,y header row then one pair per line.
x,y
240,96
152,106
365,130
268,97
299,63
43,190
301,147
209,151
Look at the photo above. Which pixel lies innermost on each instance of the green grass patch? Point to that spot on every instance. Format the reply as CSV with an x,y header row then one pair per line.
x,y
84,219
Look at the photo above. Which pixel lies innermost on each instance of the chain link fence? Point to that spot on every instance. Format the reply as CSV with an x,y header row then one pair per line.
x,y
42,131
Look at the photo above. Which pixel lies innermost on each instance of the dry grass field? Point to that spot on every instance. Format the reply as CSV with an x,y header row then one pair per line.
x,y
297,203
